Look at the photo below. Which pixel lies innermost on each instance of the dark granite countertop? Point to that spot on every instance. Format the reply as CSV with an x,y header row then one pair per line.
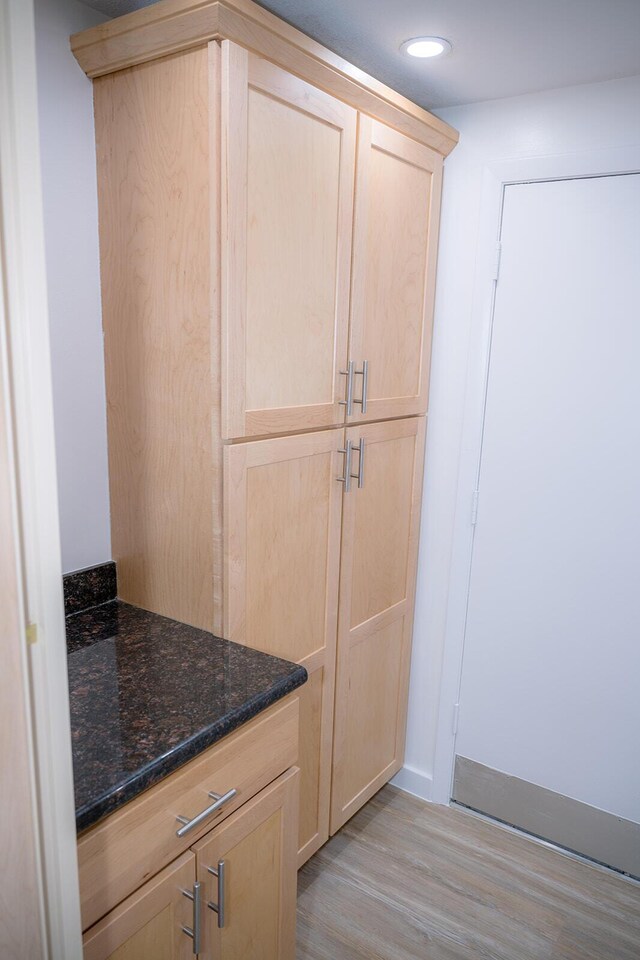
x,y
148,694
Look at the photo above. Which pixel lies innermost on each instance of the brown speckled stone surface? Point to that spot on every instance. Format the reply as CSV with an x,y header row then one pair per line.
x,y
89,587
148,694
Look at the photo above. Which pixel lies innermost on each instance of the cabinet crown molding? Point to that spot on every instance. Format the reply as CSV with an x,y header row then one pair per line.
x,y
172,26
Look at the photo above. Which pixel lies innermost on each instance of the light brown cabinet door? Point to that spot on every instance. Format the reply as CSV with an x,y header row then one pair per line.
x,y
148,925
282,553
380,530
397,207
288,158
253,854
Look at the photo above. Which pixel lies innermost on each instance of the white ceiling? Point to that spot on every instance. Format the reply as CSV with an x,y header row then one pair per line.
x,y
501,48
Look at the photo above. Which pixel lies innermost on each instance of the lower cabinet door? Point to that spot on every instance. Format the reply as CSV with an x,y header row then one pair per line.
x,y
247,867
380,527
150,924
283,507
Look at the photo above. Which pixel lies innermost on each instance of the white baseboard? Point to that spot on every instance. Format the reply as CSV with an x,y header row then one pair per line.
x,y
413,781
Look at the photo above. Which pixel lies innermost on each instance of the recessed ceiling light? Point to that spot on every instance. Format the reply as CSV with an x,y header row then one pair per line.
x,y
426,47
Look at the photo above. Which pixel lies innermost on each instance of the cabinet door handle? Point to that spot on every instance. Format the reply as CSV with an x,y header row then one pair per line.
x,y
194,931
346,479
219,906
364,373
348,403
359,476
219,801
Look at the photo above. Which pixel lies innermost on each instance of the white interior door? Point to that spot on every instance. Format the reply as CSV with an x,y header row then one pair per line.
x,y
551,665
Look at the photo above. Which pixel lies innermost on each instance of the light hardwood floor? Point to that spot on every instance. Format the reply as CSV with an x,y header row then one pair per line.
x,y
404,879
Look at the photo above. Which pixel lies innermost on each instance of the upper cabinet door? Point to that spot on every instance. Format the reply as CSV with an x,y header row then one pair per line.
x,y
395,241
288,159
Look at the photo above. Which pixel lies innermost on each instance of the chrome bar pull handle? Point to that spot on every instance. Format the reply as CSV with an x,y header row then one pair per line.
x,y
364,373
219,906
348,373
194,931
359,476
346,479
218,802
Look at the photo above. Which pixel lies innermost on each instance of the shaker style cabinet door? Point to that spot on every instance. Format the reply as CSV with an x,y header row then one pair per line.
x,y
287,174
149,925
397,207
282,554
247,867
380,528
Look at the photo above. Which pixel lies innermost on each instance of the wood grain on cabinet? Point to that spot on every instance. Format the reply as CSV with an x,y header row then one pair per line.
x,y
119,854
148,925
258,847
380,530
288,165
157,158
282,549
181,24
395,242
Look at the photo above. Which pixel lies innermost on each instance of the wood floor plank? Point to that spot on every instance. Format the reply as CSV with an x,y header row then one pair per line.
x,y
406,880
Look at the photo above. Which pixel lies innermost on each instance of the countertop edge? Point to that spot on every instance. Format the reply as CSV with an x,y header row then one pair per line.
x,y
91,814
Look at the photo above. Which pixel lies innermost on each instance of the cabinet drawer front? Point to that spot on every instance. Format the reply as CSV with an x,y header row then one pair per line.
x,y
120,854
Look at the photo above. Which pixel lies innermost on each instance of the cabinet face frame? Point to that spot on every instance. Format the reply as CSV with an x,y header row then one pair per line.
x,y
244,74
374,138
239,459
397,616
142,908
275,808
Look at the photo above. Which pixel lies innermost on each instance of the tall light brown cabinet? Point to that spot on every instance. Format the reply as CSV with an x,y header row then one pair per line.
x,y
268,233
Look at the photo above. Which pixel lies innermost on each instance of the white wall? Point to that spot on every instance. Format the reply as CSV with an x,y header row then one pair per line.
x,y
73,283
576,120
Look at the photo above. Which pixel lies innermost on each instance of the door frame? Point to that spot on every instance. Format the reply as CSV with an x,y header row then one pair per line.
x,y
495,178
27,399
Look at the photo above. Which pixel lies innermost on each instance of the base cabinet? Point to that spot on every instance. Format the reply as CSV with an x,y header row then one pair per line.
x,y
232,896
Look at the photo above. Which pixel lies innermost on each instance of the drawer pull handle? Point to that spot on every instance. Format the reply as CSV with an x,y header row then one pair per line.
x,y
219,906
218,803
